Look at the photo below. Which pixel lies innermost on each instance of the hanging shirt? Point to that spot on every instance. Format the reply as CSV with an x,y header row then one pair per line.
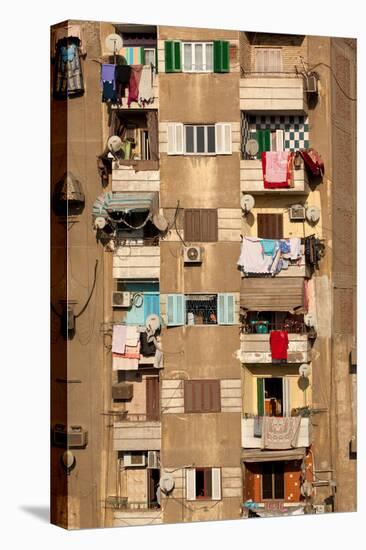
x,y
278,340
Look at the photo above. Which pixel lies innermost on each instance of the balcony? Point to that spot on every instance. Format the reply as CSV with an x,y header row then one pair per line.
x,y
136,175
260,92
251,180
136,432
136,262
251,442
255,348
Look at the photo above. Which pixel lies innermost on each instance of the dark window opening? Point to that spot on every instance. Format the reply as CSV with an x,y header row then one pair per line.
x,y
201,309
273,396
139,134
131,232
273,483
203,483
153,487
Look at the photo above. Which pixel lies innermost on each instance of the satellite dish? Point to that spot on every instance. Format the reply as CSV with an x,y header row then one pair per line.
x,y
99,222
152,322
247,202
309,320
312,214
252,147
305,370
160,222
167,483
68,461
114,144
113,43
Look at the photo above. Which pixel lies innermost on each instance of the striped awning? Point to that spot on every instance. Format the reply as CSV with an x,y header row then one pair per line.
x,y
257,455
110,202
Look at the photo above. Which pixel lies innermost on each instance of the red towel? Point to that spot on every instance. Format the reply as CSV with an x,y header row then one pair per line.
x,y
288,182
278,340
134,83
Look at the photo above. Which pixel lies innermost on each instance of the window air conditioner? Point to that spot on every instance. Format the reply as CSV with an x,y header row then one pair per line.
x,y
311,84
153,460
134,459
121,299
192,254
75,437
297,212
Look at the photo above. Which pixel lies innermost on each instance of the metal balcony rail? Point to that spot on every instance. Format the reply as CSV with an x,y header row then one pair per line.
x,y
264,327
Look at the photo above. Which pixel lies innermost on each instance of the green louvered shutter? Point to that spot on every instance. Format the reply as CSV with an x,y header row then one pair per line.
x,y
225,309
260,396
175,309
263,138
172,56
221,56
142,56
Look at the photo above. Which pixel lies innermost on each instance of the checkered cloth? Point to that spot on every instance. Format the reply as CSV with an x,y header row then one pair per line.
x,y
68,74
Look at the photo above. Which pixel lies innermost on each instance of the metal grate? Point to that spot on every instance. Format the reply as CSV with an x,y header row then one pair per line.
x,y
201,309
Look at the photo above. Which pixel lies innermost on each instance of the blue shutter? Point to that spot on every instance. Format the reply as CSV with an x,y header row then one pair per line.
x,y
225,309
151,304
135,316
175,309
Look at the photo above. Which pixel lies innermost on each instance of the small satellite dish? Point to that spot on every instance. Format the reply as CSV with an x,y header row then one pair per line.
x,y
306,489
152,322
312,214
252,147
309,320
99,222
113,43
160,222
247,202
114,144
68,461
167,483
305,370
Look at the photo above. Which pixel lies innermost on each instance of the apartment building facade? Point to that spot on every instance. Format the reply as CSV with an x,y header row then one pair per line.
x,y
188,391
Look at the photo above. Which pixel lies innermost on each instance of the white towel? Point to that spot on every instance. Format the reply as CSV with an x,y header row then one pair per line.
x,y
119,338
132,336
295,246
122,363
252,259
146,94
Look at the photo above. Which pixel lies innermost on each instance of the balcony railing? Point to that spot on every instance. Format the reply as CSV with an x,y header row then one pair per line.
x,y
123,503
251,433
272,92
255,348
251,179
264,327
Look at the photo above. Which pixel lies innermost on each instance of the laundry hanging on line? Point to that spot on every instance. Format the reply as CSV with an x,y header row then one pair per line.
x,y
278,341
277,169
268,256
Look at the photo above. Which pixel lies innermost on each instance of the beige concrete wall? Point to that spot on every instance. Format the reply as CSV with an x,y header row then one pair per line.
x,y
217,273
200,352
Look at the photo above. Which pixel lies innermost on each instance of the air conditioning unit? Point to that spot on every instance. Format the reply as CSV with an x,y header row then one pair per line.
x,y
192,254
311,83
297,212
153,460
121,299
319,508
134,459
75,437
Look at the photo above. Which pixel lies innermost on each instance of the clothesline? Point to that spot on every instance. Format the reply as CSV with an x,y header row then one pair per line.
x,y
268,256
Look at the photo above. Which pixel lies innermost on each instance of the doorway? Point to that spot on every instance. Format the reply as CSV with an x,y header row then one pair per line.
x,y
153,479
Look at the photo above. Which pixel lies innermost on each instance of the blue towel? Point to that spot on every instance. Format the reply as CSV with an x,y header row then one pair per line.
x,y
269,246
285,246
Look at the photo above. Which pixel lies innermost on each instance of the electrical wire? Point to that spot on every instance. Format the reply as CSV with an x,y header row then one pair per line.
x,y
335,78
91,292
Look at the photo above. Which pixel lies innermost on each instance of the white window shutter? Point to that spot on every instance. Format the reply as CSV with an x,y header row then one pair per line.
x,y
216,484
175,138
191,483
223,138
279,140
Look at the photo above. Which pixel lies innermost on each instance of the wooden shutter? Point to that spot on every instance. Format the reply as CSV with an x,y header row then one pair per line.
x,y
152,398
175,138
216,483
263,138
292,480
202,396
223,138
175,309
192,224
221,56
172,56
260,396
225,309
191,483
270,226
200,225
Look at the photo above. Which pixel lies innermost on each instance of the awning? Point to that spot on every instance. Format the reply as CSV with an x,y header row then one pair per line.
x,y
272,294
256,455
110,202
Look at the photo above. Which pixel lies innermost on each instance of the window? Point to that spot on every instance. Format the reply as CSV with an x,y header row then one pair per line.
x,y
273,396
268,60
199,139
273,483
150,56
203,483
197,56
270,226
200,309
200,225
202,396
145,301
